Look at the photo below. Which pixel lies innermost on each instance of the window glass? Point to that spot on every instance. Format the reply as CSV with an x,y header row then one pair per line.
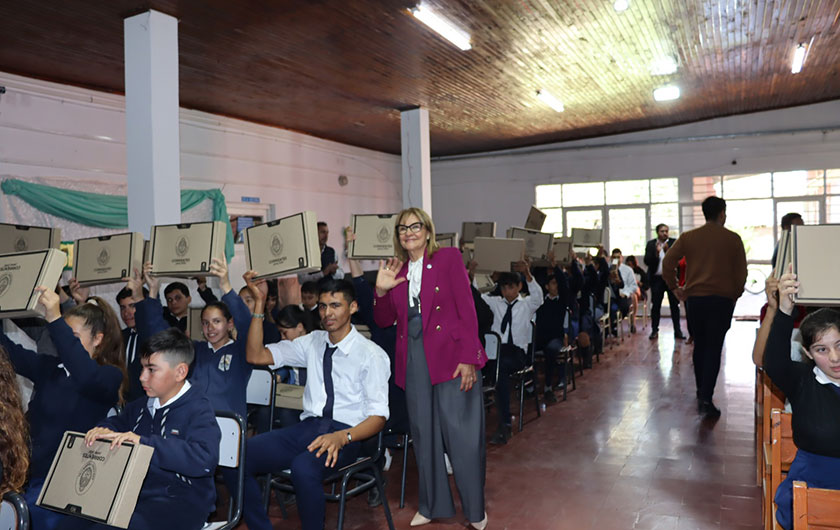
x,y
668,213
628,230
797,183
753,221
553,221
832,181
703,187
692,217
583,219
832,209
664,190
746,186
628,192
549,195
583,194
809,210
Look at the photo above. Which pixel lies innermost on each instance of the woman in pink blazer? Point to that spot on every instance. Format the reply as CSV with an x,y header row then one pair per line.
x,y
426,291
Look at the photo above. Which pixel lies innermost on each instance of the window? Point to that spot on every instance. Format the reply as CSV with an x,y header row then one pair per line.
x,y
832,207
664,190
832,181
553,221
583,219
798,183
747,186
703,187
583,194
628,192
753,221
628,230
668,213
549,195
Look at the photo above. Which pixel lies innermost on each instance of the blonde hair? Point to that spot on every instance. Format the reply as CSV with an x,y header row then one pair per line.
x,y
419,213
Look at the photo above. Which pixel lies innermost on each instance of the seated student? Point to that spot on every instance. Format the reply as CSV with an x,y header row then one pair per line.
x,y
131,343
550,329
178,421
345,401
14,431
72,391
309,299
177,308
813,389
512,316
630,290
640,274
618,303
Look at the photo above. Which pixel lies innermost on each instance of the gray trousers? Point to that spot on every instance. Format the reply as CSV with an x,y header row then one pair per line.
x,y
442,419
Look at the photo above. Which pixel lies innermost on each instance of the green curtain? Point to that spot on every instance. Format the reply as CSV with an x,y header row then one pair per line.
x,y
106,211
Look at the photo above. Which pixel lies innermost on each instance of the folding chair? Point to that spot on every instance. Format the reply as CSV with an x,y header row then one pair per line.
x,y
365,471
14,513
815,508
231,454
604,322
525,377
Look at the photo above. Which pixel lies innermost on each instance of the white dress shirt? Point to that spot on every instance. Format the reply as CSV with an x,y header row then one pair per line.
x,y
661,259
629,279
153,404
521,314
360,372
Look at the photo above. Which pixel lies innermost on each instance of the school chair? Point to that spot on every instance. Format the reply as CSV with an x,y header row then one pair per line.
x,y
14,513
604,322
366,473
404,443
772,398
261,391
231,455
815,508
782,453
527,376
492,345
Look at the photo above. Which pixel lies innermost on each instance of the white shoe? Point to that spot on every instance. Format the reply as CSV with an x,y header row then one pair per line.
x,y
481,525
448,464
388,460
420,520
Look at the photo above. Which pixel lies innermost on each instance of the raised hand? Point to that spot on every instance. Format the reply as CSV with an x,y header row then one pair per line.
x,y
788,286
134,284
386,278
258,288
771,289
51,302
80,294
218,268
152,281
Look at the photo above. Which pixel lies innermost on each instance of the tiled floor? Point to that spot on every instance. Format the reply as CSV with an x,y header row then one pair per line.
x,y
626,451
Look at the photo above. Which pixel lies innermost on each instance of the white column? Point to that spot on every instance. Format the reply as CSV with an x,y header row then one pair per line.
x,y
151,120
416,159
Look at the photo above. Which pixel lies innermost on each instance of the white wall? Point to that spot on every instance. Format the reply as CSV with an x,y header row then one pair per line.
x,y
500,186
52,130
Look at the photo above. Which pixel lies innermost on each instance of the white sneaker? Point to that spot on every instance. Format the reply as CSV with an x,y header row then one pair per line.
x,y
448,464
388,460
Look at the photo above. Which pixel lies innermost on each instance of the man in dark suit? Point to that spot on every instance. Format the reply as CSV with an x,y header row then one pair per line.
x,y
654,255
130,341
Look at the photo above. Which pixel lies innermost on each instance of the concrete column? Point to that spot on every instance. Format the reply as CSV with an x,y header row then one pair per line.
x,y
416,159
151,120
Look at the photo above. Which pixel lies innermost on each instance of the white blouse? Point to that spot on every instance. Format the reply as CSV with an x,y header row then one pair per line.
x,y
415,279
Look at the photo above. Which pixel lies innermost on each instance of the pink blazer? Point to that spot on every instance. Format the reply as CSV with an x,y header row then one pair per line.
x,y
450,327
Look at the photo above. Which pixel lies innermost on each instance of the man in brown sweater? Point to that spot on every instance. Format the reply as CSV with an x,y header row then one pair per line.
x,y
716,270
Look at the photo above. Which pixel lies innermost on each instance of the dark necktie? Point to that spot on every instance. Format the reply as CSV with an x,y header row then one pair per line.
x,y
507,321
328,382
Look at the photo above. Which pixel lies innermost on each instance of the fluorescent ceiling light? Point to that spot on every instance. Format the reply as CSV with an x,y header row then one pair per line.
x,y
547,98
621,5
663,66
666,93
442,27
798,59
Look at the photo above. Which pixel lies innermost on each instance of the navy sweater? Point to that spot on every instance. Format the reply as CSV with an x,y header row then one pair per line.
x,y
185,437
552,313
222,375
62,402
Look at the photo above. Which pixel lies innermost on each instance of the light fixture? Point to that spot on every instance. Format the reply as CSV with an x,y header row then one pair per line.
x,y
442,27
621,5
798,59
663,66
666,93
547,98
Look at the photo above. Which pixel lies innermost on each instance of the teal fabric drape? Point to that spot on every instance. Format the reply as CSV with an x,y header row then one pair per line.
x,y
106,211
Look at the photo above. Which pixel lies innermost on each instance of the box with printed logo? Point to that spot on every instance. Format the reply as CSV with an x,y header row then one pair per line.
x,y
21,273
95,482
374,236
194,327
186,250
497,254
587,237
447,239
472,230
107,259
537,244
21,238
536,219
284,246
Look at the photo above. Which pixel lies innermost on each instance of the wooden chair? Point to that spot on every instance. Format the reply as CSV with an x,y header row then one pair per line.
x,y
815,508
782,453
772,398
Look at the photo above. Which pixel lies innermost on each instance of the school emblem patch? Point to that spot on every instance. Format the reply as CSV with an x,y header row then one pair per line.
x,y
20,244
276,245
224,362
5,283
182,246
384,234
85,478
104,257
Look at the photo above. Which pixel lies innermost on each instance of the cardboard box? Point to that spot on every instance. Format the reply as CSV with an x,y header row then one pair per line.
x,y
537,244
536,219
107,259
22,238
374,236
472,230
497,254
94,482
562,248
814,254
21,273
194,323
146,256
587,237
284,246
186,250
288,396
447,239
484,283
783,255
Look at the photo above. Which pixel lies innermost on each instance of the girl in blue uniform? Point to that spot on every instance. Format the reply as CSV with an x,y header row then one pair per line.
x,y
72,391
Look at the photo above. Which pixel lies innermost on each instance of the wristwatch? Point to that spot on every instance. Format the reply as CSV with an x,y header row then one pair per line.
x,y
349,437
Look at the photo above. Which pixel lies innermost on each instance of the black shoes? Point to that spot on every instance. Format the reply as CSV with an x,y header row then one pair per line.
x,y
549,396
501,436
654,335
632,329
708,409
679,336
374,498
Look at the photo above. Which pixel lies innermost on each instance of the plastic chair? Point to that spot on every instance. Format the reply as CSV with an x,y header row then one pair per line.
x,y
14,513
232,455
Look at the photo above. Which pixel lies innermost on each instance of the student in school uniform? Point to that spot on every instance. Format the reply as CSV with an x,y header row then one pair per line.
x,y
178,421
177,308
345,401
14,431
813,389
630,288
309,299
132,343
72,391
512,315
551,332
329,260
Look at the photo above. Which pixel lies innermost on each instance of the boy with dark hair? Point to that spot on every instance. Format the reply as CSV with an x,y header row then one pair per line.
x,y
130,341
345,401
309,299
179,423
178,301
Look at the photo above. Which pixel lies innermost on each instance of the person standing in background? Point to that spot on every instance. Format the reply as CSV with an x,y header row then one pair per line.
x,y
654,256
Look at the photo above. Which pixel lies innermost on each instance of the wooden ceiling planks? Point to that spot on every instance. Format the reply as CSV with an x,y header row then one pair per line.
x,y
342,70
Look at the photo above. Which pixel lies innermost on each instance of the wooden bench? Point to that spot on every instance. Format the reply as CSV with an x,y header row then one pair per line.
x,y
814,508
771,398
782,453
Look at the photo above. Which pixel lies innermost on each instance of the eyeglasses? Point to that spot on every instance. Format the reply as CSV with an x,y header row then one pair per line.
x,y
413,228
